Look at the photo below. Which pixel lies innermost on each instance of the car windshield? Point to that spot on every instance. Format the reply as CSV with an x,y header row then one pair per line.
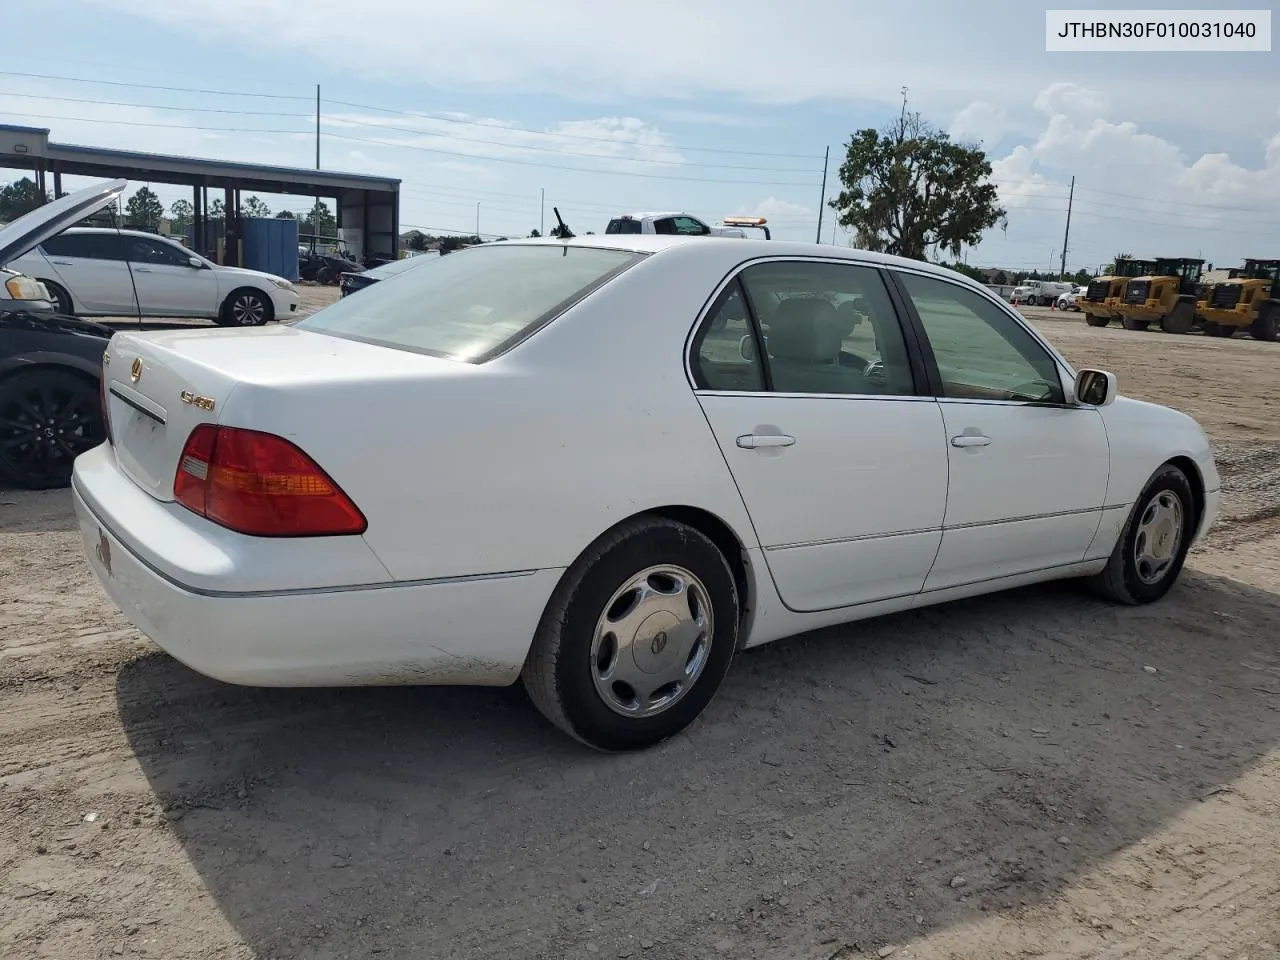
x,y
472,304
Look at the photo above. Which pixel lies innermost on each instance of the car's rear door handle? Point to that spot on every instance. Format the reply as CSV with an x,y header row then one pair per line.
x,y
970,440
62,263
753,441
142,270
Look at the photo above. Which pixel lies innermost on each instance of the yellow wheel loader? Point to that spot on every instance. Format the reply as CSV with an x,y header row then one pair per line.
x,y
1101,300
1249,300
1167,295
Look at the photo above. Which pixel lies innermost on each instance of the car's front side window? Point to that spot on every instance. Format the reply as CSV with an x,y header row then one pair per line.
x,y
143,250
981,352
687,226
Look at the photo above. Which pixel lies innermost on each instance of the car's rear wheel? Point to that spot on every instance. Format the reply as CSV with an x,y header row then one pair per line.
x,y
48,417
637,637
1094,320
62,301
246,308
1150,551
1131,324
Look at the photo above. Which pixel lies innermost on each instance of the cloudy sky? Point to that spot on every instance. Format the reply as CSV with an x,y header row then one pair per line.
x,y
712,106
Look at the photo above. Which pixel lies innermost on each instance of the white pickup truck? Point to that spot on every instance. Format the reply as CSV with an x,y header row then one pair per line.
x,y
677,223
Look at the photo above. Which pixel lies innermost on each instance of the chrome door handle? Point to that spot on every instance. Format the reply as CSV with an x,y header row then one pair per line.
x,y
142,270
751,441
62,263
970,440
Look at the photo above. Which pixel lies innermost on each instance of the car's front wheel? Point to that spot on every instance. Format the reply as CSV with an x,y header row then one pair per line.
x,y
1150,551
48,417
637,637
62,302
246,308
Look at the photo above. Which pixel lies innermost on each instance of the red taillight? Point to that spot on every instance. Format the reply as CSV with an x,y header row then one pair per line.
x,y
262,485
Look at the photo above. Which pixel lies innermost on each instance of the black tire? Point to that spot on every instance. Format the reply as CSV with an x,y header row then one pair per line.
x,y
62,301
560,671
1096,320
48,417
1122,579
1130,324
1181,319
324,276
1214,329
1267,326
246,307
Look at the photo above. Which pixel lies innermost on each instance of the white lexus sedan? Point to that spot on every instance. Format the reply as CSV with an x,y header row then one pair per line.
x,y
603,465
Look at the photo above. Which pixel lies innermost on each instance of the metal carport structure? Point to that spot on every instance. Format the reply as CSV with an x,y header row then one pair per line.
x,y
368,208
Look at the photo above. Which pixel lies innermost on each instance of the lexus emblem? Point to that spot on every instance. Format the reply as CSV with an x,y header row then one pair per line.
x,y
135,371
659,642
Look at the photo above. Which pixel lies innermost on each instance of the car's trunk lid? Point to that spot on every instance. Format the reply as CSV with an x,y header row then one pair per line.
x,y
161,385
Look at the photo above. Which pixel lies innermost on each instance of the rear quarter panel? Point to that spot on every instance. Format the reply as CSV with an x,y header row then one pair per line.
x,y
519,463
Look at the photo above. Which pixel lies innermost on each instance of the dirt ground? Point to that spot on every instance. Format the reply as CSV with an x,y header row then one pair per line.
x,y
1036,774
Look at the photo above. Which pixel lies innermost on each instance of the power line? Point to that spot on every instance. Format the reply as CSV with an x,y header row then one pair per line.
x,y
151,86
158,126
553,166
425,133
361,106
566,136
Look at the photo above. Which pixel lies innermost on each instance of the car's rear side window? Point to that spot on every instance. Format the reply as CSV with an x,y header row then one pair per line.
x,y
473,304
623,225
86,246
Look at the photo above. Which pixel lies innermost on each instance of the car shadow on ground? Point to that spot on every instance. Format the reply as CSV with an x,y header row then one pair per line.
x,y
833,793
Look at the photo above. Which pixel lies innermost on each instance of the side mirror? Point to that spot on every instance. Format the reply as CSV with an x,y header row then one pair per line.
x,y
1095,388
195,263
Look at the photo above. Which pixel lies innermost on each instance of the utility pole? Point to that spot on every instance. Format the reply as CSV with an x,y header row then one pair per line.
x,y
477,218
1066,236
542,214
822,200
317,126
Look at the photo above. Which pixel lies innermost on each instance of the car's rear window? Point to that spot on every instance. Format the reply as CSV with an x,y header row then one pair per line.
x,y
472,304
623,225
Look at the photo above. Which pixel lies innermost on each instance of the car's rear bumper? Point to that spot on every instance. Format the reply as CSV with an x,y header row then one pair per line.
x,y
466,630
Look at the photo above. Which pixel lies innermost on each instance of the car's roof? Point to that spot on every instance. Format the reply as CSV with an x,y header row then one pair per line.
x,y
126,232
745,249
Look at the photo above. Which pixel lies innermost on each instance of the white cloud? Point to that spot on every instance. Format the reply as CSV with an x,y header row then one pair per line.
x,y
980,121
1134,190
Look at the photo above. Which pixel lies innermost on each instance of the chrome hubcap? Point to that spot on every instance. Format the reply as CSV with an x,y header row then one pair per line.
x,y
652,641
247,310
1159,536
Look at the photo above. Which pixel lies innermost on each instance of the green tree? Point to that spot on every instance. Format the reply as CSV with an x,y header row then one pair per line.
x,y
320,220
558,231
183,214
534,234
144,208
1082,278
417,240
17,198
450,244
217,210
971,272
909,189
254,207
1001,278
286,215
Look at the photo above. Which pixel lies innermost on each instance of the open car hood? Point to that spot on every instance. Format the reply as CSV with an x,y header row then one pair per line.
x,y
32,229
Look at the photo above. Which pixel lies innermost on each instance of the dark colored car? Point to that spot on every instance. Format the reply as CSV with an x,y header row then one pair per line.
x,y
50,395
349,283
50,364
